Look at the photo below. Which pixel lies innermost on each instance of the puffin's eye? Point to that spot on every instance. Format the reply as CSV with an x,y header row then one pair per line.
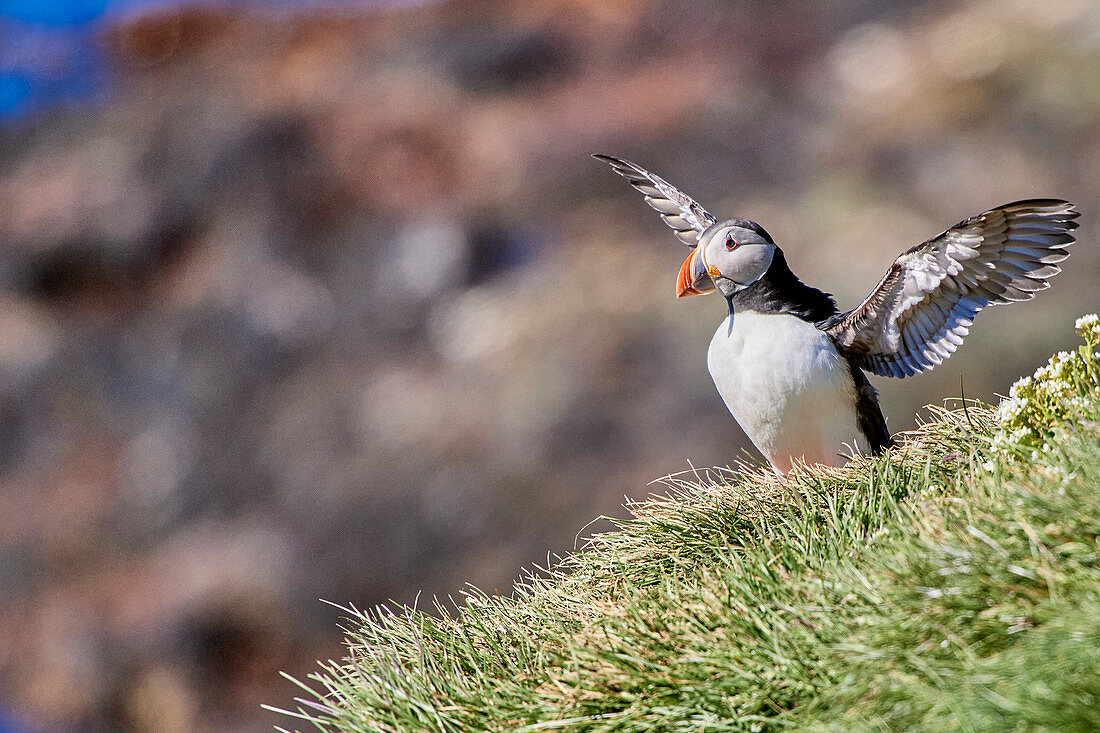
x,y
730,244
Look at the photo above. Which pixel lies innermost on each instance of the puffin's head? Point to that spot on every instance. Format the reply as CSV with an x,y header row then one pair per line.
x,y
731,255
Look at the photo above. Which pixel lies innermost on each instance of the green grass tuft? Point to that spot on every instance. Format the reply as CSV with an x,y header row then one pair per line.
x,y
951,585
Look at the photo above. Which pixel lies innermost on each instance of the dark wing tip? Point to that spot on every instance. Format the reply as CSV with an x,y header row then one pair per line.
x,y
622,166
1041,203
1059,209
614,161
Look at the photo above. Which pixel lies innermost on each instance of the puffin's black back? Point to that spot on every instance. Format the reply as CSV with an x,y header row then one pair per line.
x,y
868,412
780,291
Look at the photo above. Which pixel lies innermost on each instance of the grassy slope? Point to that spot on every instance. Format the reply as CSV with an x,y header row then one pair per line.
x,y
948,586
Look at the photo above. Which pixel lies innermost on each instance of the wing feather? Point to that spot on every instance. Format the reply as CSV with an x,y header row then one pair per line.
x,y
926,303
676,208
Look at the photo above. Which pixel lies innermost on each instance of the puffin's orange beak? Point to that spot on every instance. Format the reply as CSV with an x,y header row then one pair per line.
x,y
693,278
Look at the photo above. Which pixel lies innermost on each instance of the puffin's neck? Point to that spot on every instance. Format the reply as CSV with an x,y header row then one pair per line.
x,y
780,291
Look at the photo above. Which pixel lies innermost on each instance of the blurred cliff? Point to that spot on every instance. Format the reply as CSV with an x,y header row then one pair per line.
x,y
332,304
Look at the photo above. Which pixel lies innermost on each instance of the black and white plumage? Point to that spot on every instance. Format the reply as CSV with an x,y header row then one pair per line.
x,y
676,208
926,302
790,366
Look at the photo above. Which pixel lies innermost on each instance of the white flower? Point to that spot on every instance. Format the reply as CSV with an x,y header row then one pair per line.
x,y
1087,321
1058,387
1059,363
1019,386
1019,434
1010,408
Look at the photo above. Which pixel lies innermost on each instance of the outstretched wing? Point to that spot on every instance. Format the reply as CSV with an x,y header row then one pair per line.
x,y
926,303
678,210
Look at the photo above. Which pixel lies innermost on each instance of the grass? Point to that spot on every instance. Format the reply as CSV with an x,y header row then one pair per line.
x,y
951,585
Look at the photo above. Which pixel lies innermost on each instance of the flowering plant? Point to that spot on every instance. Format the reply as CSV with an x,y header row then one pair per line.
x,y
1060,395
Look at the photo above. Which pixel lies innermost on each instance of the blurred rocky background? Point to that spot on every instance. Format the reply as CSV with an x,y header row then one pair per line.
x,y
307,301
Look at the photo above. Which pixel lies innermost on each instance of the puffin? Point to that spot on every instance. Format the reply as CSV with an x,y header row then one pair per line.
x,y
792,368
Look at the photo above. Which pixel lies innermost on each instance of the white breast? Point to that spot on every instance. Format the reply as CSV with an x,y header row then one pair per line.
x,y
788,388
